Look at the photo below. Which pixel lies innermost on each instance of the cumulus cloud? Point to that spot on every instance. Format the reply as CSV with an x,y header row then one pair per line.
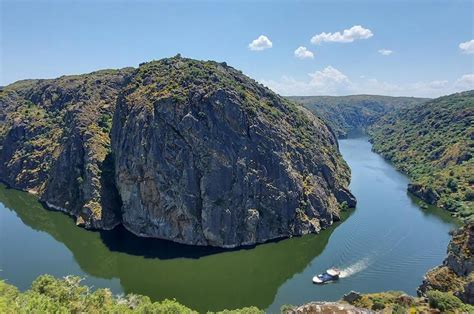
x,y
328,75
261,43
303,53
467,47
347,36
465,82
328,81
385,52
331,81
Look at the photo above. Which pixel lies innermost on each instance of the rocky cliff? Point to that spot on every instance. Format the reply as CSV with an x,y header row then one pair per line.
x,y
456,274
198,153
204,155
54,139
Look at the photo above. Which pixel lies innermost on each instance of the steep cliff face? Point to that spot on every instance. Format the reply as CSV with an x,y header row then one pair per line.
x,y
205,155
200,153
456,274
54,138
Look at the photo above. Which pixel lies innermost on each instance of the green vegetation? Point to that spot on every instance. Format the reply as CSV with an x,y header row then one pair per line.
x,y
347,113
390,302
178,79
54,135
67,295
446,302
433,143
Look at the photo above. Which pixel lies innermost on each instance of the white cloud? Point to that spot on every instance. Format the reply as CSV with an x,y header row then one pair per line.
x,y
347,36
385,52
465,82
467,47
328,75
261,43
328,81
303,53
331,81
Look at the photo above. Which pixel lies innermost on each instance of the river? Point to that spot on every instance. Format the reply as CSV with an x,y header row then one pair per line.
x,y
387,243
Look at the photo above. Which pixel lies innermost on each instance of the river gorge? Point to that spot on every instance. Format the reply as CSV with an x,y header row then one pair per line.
x,y
387,243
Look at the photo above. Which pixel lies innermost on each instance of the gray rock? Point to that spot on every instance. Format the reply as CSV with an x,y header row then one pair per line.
x,y
351,297
198,154
207,169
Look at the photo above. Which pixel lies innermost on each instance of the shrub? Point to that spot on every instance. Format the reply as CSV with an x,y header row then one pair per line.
x,y
452,184
286,307
399,309
378,306
444,301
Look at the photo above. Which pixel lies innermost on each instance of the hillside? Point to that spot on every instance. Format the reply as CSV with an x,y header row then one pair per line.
x,y
433,143
179,149
356,112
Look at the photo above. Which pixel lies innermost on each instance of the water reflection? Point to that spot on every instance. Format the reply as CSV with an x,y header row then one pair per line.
x,y
435,212
195,276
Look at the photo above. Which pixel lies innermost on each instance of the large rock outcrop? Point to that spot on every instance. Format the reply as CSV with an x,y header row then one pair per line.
x,y
204,155
200,154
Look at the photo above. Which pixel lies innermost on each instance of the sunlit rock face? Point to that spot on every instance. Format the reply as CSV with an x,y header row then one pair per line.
x,y
179,149
206,156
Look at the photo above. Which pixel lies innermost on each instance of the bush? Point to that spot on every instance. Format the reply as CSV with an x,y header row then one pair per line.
x,y
399,309
67,295
378,306
286,307
444,301
469,196
245,310
452,184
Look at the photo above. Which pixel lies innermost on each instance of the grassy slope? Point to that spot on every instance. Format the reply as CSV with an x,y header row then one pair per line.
x,y
346,113
433,143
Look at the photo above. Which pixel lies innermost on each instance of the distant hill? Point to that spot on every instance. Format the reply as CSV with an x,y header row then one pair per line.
x,y
433,143
346,113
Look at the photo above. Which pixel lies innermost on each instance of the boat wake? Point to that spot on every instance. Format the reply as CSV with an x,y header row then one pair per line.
x,y
355,268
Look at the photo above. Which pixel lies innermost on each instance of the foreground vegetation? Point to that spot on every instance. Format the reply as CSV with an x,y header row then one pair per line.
x,y
355,112
67,295
433,143
399,302
386,302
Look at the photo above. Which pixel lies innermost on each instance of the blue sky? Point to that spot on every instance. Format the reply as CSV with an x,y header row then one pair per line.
x,y
46,39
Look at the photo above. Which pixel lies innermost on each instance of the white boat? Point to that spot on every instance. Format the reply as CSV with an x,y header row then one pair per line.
x,y
332,274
